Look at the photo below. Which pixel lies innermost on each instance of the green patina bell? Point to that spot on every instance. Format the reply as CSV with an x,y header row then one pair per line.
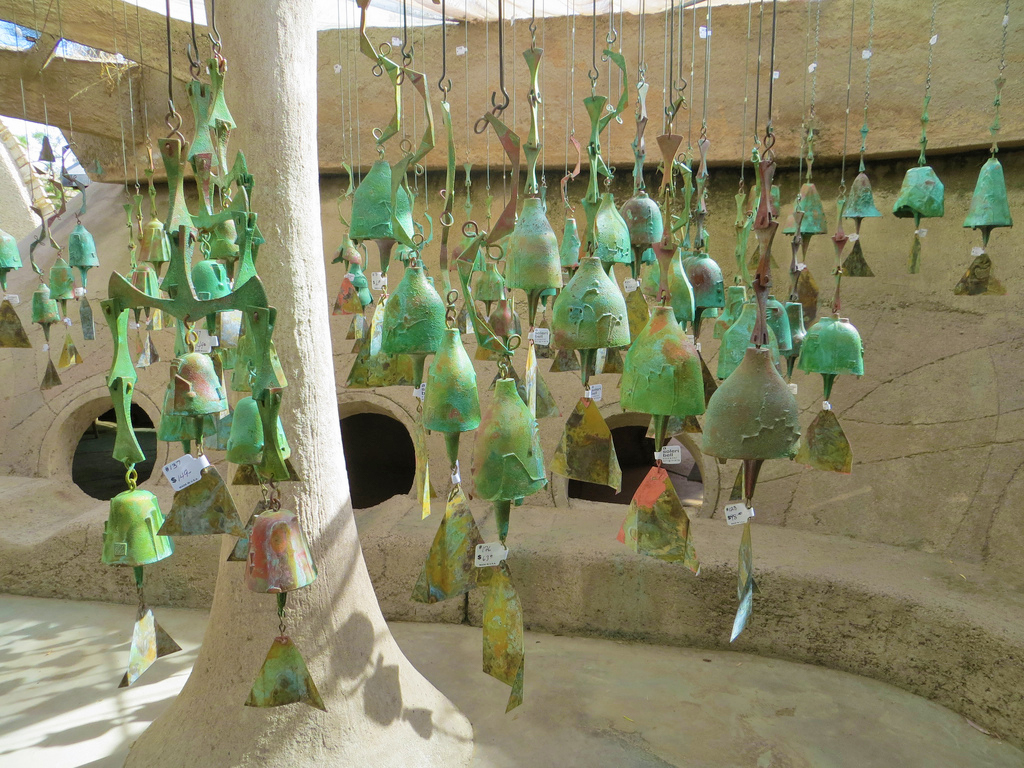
x,y
752,415
210,279
813,222
413,321
643,220
197,386
662,374
45,311
10,259
680,291
371,204
173,428
62,283
589,312
507,459
82,252
490,285
989,206
832,347
650,274
736,340
778,321
795,311
735,295
130,532
611,243
279,558
861,201
922,195
532,262
143,277
705,278
569,250
245,443
452,403
155,247
223,245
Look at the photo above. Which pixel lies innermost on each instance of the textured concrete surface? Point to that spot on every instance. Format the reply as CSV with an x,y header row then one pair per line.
x,y
588,702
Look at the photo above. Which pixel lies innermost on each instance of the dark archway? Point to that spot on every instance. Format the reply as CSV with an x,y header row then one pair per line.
x,y
380,458
93,468
636,456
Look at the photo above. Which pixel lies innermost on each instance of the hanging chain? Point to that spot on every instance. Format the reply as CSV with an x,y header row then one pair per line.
x,y
932,40
868,54
846,120
1000,81
812,119
757,82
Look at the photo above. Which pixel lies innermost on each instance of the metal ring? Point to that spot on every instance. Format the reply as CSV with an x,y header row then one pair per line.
x,y
513,342
452,297
447,219
377,133
405,145
470,229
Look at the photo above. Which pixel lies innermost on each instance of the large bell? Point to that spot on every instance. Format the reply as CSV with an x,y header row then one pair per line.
x,y
452,403
279,557
44,309
661,374
245,443
507,459
10,259
532,263
752,415
197,386
921,196
589,312
832,347
611,241
413,321
989,206
569,249
861,201
82,251
778,321
705,279
735,295
736,340
130,532
155,247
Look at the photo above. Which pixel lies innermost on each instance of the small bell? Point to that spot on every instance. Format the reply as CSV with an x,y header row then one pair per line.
x,y
197,386
532,263
490,286
644,222
861,201
589,312
507,459
705,278
245,443
569,250
223,245
82,252
736,340
279,558
778,321
611,244
62,284
662,374
832,347
752,415
156,246
210,279
813,222
675,283
10,259
989,206
922,195
452,404
372,210
795,311
130,532
735,295
44,309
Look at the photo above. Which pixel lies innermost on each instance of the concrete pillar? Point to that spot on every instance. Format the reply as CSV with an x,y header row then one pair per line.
x,y
380,710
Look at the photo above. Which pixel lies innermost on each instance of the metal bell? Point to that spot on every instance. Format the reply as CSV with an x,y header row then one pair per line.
x,y
507,459
705,278
62,282
921,196
359,283
490,285
245,443
752,415
143,277
661,374
532,262
735,295
643,220
778,321
413,321
569,250
451,403
172,427
861,201
223,245
371,204
156,246
197,386
589,312
611,243
10,259
832,347
679,289
279,558
814,222
795,311
210,279
44,309
989,206
130,532
736,340
82,251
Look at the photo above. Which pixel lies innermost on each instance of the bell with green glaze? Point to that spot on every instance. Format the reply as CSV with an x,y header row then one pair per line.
x,y
813,222
736,340
44,309
197,386
155,247
507,459
10,259
569,249
173,428
279,557
861,201
210,279
532,263
989,206
645,224
130,532
795,311
589,312
735,295
489,286
372,209
223,245
245,443
832,348
778,321
611,242
662,374
752,415
705,278
452,404
413,321
82,252
679,289
62,284
922,195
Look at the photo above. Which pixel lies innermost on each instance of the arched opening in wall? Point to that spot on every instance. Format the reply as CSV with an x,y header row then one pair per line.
x,y
379,456
636,457
93,467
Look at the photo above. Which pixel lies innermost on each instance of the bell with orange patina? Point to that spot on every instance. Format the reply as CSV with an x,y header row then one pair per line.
x,y
645,224
155,247
198,390
532,263
507,459
753,415
130,532
662,374
736,340
569,249
735,295
82,252
279,558
832,347
452,404
10,259
611,235
705,278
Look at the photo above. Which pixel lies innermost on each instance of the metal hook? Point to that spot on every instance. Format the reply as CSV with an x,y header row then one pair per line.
x,y
496,108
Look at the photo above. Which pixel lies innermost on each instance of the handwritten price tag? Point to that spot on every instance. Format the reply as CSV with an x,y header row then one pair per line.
x,y
489,555
183,472
378,281
630,284
420,392
670,454
738,513
541,336
793,387
205,343
14,298
594,392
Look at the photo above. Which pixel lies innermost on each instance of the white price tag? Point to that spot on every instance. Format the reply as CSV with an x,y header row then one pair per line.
x,y
738,513
594,392
132,325
488,555
337,69
921,232
79,292
812,67
775,75
704,32
396,42
183,472
853,238
456,475
826,406
67,321
541,336
378,281
934,39
689,337
46,347
698,346
630,284
420,392
14,298
670,454
865,54
461,50
205,343
792,387
977,250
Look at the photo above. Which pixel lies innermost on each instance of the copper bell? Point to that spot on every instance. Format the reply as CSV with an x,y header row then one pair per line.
x,y
279,559
130,532
197,386
155,247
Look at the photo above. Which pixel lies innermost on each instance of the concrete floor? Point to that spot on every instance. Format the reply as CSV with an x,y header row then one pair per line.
x,y
591,703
